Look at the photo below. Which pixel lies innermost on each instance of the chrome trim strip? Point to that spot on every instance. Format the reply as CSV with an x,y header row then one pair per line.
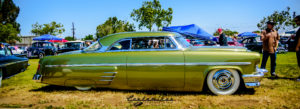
x,y
111,72
108,76
152,64
87,65
6,64
219,63
105,80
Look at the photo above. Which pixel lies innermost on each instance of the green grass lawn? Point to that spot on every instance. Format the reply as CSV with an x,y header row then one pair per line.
x,y
21,91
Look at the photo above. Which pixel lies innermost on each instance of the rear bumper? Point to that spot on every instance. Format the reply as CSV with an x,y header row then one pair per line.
x,y
37,78
253,80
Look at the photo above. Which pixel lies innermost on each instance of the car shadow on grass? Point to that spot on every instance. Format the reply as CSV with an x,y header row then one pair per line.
x,y
54,88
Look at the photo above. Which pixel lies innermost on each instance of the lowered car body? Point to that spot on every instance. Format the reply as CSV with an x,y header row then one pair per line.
x,y
152,61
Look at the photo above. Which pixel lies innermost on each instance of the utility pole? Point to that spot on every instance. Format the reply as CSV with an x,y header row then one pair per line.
x,y
73,30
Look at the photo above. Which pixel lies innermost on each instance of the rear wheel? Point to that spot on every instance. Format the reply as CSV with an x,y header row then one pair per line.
x,y
223,81
83,88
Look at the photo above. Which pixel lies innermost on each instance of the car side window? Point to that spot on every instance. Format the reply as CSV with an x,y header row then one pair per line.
x,y
121,45
152,43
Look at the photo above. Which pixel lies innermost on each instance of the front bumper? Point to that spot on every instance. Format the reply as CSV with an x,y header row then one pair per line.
x,y
37,77
253,80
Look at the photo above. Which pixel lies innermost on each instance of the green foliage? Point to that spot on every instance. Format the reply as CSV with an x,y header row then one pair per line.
x,y
9,28
88,37
113,25
256,31
151,14
282,20
228,32
69,38
52,28
9,34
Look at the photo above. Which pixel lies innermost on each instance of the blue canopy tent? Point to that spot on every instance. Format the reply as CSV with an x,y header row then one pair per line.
x,y
46,37
191,30
247,34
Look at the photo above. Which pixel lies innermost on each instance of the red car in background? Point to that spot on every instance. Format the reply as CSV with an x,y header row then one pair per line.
x,y
233,42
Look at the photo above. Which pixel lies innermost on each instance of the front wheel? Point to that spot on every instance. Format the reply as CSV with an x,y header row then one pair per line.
x,y
83,88
223,81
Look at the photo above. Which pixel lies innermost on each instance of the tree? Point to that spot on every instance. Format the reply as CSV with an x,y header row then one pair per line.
x,y
9,28
151,14
52,28
69,38
113,25
282,20
88,37
228,32
9,34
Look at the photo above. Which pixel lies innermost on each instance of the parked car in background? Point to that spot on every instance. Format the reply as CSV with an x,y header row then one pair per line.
x,y
197,42
132,61
252,43
41,49
72,46
233,42
10,64
16,50
281,48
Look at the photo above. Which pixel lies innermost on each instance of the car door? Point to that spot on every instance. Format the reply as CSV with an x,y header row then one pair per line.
x,y
151,64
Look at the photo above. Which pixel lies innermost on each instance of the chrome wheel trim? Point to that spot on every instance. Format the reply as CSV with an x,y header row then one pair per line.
x,y
223,79
228,86
83,88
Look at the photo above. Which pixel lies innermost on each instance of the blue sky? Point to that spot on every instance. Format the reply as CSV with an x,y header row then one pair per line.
x,y
239,15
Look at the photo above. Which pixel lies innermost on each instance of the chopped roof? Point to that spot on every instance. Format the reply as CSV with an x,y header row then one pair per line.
x,y
108,40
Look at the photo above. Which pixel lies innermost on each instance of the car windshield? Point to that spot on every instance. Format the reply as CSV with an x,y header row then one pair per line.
x,y
72,45
182,41
93,47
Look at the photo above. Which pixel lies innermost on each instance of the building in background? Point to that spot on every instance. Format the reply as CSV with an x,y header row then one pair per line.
x,y
26,41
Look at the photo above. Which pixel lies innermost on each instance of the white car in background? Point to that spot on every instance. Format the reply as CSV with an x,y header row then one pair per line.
x,y
16,50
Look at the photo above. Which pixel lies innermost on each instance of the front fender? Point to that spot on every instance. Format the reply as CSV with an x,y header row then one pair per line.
x,y
210,68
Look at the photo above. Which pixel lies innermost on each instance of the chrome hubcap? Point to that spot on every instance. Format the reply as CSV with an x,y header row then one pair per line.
x,y
223,79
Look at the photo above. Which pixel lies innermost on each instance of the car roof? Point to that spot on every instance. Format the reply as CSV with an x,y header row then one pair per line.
x,y
110,39
43,42
5,44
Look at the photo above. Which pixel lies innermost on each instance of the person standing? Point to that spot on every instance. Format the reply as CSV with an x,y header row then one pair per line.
x,y
297,40
270,39
222,38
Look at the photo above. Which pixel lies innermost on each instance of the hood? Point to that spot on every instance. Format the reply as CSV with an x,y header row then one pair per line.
x,y
217,48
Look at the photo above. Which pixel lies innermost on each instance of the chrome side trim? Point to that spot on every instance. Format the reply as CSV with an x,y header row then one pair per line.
x,y
108,76
87,65
105,80
219,63
6,64
110,72
152,64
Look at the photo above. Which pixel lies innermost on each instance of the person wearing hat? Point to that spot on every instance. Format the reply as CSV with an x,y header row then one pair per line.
x,y
222,38
297,39
270,39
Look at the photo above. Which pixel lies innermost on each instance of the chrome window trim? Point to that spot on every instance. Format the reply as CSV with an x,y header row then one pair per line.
x,y
152,64
177,46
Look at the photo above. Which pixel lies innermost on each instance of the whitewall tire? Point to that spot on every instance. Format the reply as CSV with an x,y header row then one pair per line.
x,y
223,81
83,88
1,76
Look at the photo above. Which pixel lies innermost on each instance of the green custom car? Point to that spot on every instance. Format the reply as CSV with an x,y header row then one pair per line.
x,y
152,61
